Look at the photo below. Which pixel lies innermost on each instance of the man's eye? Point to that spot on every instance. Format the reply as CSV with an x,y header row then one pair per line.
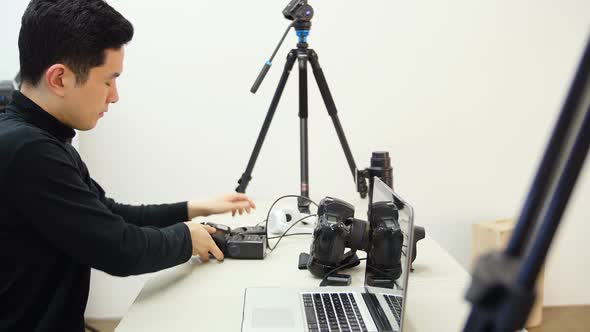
x,y
108,84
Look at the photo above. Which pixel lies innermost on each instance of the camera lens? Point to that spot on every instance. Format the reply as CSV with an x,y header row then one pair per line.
x,y
381,165
380,159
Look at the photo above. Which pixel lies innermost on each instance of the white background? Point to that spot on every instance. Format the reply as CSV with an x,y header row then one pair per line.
x,y
463,94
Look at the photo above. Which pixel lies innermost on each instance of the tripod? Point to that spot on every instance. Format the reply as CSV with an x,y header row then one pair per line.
x,y
303,55
502,290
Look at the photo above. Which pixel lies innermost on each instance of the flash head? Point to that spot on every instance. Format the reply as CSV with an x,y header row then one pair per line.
x,y
298,10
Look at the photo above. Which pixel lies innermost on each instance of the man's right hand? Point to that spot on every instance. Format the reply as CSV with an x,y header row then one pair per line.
x,y
203,244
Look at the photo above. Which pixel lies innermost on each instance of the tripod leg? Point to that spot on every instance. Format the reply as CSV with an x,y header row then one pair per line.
x,y
333,112
247,176
303,204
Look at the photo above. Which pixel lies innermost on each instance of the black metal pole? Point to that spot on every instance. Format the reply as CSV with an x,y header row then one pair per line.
x,y
549,164
247,175
303,204
574,162
333,112
503,288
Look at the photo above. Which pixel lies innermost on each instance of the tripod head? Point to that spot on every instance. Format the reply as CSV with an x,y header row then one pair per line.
x,y
301,13
298,10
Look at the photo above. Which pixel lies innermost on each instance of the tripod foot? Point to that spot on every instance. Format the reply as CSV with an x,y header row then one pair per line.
x,y
303,205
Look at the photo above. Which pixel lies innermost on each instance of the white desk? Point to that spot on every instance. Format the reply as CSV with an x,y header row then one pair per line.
x,y
199,296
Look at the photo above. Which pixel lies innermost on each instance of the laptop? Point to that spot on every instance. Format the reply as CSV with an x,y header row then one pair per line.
x,y
378,305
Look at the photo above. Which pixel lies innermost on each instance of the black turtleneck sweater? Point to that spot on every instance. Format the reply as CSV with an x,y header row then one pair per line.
x,y
56,223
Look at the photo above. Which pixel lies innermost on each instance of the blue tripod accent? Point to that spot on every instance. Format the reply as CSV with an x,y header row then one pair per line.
x,y
302,34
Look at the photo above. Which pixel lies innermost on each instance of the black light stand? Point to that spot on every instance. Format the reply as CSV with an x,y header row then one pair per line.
x,y
503,287
300,12
6,90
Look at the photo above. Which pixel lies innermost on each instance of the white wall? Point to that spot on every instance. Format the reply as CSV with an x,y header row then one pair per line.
x,y
462,94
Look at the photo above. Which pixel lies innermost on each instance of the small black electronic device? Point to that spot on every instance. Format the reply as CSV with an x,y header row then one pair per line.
x,y
240,242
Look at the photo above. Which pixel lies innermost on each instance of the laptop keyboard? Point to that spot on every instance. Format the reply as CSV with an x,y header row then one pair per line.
x,y
326,312
395,304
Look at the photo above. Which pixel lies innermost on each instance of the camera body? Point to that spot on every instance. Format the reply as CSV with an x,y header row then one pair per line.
x,y
298,10
386,243
240,242
337,229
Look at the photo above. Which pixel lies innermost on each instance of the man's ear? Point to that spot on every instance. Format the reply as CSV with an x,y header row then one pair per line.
x,y
59,78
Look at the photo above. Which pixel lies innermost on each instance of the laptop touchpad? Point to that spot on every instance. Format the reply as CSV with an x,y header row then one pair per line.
x,y
272,317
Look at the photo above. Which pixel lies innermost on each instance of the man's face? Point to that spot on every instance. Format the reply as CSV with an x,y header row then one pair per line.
x,y
86,103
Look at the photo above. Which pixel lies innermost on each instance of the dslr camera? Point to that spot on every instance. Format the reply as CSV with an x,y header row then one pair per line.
x,y
337,229
240,242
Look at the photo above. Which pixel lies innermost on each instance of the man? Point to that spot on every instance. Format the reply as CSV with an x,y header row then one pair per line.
x,y
55,221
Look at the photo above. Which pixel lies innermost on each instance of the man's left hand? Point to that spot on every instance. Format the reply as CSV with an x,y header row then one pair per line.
x,y
234,203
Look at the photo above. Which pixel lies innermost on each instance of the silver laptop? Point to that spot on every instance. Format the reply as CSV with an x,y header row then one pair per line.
x,y
379,305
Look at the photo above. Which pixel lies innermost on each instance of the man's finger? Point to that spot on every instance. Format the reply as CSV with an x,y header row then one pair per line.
x,y
209,229
204,256
251,202
243,205
244,197
240,196
214,249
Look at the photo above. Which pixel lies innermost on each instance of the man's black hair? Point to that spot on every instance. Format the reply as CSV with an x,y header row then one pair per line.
x,y
75,33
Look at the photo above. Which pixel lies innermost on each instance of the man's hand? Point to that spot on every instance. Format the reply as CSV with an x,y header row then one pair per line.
x,y
203,244
234,202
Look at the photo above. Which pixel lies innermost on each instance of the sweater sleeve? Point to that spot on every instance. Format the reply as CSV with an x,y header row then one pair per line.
x,y
159,215
52,196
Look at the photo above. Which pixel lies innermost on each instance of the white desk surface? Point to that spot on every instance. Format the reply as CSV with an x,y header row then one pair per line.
x,y
199,296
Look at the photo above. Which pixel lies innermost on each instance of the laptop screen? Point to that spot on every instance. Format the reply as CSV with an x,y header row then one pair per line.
x,y
389,257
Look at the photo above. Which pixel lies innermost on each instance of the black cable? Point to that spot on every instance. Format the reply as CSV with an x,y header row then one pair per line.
x,y
284,234
338,269
270,209
292,234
